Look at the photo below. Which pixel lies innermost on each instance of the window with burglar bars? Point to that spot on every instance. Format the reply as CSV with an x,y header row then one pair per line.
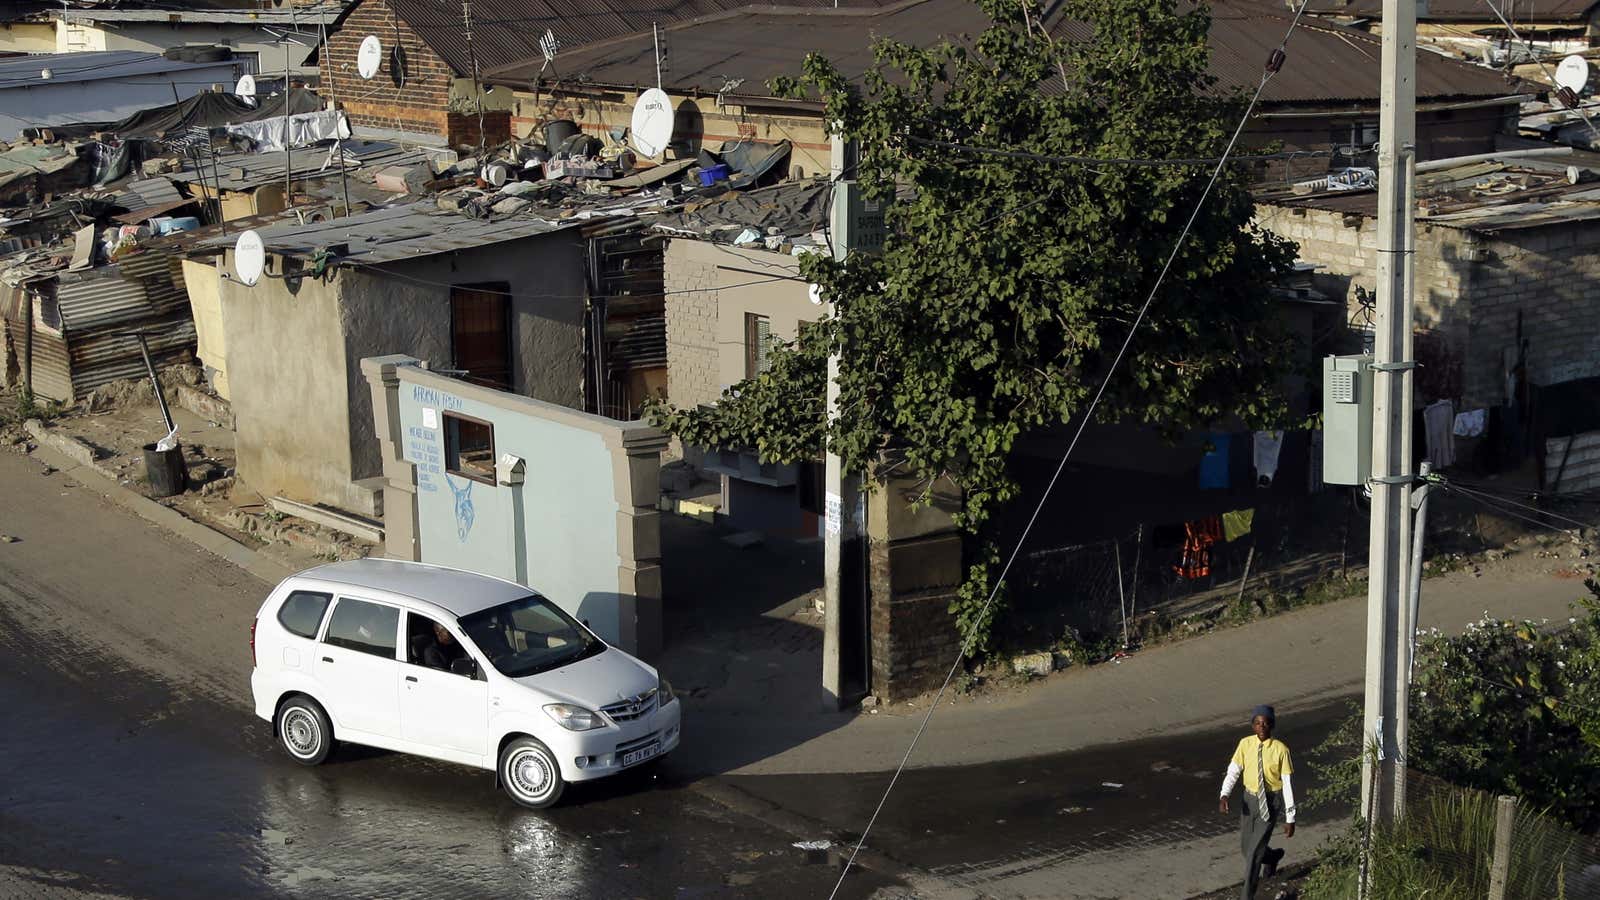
x,y
757,344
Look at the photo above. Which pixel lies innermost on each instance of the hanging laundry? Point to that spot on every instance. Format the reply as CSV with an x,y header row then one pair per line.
x,y
1214,465
1267,446
1200,536
1437,419
1236,524
1471,423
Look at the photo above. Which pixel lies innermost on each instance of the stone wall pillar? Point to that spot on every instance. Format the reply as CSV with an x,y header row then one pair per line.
x,y
636,467
399,476
915,562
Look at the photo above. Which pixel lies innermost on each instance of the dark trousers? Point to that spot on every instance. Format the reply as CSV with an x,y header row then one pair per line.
x,y
1255,836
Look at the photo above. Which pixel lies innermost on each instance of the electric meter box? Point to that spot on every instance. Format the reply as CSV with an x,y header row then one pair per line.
x,y
1347,419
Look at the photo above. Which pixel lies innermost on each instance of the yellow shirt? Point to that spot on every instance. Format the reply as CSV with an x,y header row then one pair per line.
x,y
1275,757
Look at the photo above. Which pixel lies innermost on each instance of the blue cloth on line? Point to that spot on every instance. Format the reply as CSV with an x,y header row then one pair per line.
x,y
1214,465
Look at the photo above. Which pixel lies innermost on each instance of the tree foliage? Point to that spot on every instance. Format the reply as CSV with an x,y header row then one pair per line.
x,y
1006,286
1509,707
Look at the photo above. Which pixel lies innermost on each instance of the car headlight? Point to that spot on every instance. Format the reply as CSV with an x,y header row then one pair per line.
x,y
664,694
574,718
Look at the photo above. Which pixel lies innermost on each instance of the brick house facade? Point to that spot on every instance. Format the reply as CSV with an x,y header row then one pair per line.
x,y
421,105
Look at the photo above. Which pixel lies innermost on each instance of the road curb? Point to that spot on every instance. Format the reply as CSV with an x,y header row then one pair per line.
x,y
806,828
90,476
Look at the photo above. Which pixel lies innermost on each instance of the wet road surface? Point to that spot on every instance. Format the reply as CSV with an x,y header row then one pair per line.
x,y
131,766
1015,828
136,791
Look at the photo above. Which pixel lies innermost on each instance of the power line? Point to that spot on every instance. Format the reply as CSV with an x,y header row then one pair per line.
x,y
1543,67
1502,503
1122,161
1274,62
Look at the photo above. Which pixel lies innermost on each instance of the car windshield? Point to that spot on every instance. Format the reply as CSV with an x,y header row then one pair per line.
x,y
529,636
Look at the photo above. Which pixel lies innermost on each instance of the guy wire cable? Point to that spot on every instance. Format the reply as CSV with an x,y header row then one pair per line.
x,y
1274,62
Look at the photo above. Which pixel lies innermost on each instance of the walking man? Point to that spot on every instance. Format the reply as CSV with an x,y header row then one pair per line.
x,y
1264,762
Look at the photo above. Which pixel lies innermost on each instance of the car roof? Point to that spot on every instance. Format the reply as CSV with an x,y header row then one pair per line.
x,y
456,591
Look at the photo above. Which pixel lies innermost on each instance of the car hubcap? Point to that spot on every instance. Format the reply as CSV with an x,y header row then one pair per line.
x,y
530,773
300,732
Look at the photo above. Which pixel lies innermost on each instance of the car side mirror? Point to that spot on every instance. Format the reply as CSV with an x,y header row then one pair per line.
x,y
465,666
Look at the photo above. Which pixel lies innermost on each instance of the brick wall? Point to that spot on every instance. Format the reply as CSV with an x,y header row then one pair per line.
x,y
461,129
1471,290
417,107
693,357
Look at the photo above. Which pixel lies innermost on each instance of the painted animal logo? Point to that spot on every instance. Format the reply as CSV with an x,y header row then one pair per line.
x,y
464,512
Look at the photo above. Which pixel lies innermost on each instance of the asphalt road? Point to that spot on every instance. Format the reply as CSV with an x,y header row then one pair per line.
x,y
133,767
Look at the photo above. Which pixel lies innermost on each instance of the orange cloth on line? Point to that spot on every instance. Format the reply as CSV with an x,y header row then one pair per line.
x,y
1200,535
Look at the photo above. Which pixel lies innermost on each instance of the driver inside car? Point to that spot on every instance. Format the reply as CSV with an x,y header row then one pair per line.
x,y
442,650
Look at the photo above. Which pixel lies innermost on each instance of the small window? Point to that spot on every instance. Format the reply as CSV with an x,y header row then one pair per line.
x,y
367,627
469,448
302,612
757,344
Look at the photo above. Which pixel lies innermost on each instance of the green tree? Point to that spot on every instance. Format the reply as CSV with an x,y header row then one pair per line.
x,y
1006,286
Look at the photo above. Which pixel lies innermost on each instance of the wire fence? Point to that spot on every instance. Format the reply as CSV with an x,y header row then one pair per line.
x,y
1156,579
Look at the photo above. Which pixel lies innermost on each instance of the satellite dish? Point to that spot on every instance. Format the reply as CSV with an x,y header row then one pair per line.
x,y
397,66
1573,73
652,122
369,57
249,258
246,89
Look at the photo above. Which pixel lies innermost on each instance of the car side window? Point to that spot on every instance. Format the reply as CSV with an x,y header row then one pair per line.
x,y
363,626
301,612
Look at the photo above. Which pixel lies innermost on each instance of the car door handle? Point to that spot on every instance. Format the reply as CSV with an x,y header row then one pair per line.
x,y
327,659
411,678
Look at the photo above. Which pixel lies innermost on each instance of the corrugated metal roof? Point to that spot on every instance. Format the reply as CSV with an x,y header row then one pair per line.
x,y
1525,11
1328,63
1485,196
305,15
146,193
95,65
412,231
508,31
248,171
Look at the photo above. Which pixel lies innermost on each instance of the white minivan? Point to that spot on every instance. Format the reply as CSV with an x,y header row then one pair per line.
x,y
455,666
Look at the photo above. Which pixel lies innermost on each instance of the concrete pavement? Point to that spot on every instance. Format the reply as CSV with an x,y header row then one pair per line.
x,y
1294,660
757,707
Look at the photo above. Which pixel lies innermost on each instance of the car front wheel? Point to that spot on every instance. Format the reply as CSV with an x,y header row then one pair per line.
x,y
530,774
304,731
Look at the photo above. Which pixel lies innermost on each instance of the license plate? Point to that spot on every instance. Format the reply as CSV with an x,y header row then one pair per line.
x,y
640,755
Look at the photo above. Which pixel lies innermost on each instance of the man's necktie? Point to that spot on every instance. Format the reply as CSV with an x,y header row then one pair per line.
x,y
1261,781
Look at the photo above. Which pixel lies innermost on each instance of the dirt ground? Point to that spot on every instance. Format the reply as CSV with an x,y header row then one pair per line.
x,y
117,420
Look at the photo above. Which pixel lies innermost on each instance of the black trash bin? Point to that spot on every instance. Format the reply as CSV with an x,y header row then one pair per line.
x,y
165,470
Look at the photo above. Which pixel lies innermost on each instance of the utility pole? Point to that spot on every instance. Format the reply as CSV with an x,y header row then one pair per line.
x,y
288,153
1388,612
477,87
833,506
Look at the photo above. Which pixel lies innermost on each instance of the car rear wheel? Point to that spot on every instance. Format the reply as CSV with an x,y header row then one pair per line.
x,y
530,774
304,730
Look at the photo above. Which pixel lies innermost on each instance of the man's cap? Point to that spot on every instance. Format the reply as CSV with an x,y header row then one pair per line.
x,y
1264,710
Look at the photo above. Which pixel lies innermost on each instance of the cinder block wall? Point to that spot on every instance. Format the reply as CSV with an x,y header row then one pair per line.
x,y
693,360
1471,290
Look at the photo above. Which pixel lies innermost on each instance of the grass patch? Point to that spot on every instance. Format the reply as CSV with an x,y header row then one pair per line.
x,y
1444,848
21,405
